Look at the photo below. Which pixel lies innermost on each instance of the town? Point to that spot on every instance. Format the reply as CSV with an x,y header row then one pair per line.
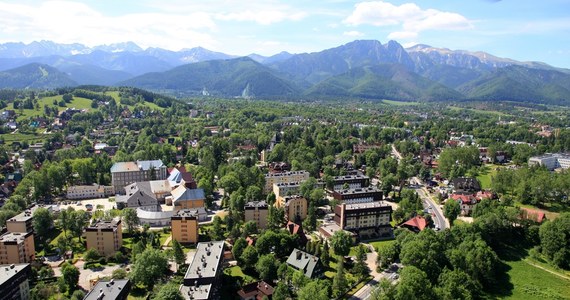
x,y
120,193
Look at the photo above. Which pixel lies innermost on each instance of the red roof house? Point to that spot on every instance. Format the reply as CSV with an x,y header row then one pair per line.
x,y
416,224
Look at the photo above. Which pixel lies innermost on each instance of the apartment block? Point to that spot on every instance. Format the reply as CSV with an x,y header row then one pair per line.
x,y
184,225
89,191
114,289
283,177
283,189
551,161
352,181
17,248
202,279
104,236
360,195
257,211
295,207
371,219
125,173
14,281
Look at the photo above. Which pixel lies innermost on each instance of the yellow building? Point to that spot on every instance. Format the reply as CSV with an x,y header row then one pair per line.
x,y
185,198
17,248
184,225
257,211
105,236
283,177
21,222
295,207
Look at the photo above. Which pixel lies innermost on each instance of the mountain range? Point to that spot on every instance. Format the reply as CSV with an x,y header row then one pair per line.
x,y
363,69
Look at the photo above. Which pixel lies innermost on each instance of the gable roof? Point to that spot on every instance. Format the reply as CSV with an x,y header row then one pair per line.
x,y
465,199
302,260
256,289
182,193
533,214
417,222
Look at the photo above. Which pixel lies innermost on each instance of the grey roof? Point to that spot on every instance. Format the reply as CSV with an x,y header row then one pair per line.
x,y
206,260
17,237
253,204
359,190
200,292
302,260
111,289
375,204
7,271
182,193
124,167
175,175
138,195
149,164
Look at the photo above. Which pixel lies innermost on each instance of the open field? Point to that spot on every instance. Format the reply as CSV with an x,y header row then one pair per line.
x,y
399,103
484,177
480,111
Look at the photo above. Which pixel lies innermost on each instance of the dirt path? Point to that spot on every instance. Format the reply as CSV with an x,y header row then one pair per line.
x,y
547,270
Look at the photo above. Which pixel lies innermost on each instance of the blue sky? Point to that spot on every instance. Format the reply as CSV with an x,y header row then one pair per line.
x,y
519,29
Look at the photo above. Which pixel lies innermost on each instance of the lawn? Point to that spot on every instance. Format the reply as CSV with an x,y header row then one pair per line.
x,y
236,271
523,280
381,244
77,102
484,177
9,138
399,103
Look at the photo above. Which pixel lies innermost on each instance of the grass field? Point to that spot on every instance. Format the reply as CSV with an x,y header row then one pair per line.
x,y
19,137
380,244
77,102
523,280
399,103
485,175
479,111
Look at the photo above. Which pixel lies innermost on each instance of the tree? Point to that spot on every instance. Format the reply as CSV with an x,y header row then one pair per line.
x,y
79,220
385,291
361,268
249,228
276,217
239,246
555,242
414,284
178,253
91,255
310,223
340,284
217,232
169,291
451,210
325,256
249,257
119,274
149,266
43,223
340,243
131,219
70,275
456,284
77,295
281,292
315,290
267,266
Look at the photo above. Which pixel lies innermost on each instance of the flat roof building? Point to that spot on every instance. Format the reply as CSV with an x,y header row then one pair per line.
x,y
551,161
257,211
125,173
105,236
14,281
114,289
283,177
202,279
17,248
371,219
359,195
184,225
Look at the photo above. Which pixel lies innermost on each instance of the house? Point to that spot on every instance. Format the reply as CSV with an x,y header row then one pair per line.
x,y
104,236
466,185
551,161
415,224
533,215
308,263
114,289
179,175
15,281
466,201
296,229
327,230
202,279
255,291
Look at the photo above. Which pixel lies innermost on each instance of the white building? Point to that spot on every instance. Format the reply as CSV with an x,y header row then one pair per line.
x,y
551,161
89,191
283,177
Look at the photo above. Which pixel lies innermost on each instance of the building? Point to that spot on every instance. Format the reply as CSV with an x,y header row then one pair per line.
x,y
415,224
466,201
137,197
179,176
89,191
297,229
371,219
14,281
533,215
104,236
327,230
125,173
202,279
551,161
184,225
352,181
114,289
257,211
295,207
284,177
359,195
155,218
283,189
185,198
308,263
17,248
466,185
23,222
256,291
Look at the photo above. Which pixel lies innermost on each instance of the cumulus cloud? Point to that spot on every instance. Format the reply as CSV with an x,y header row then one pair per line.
x,y
409,16
266,17
353,33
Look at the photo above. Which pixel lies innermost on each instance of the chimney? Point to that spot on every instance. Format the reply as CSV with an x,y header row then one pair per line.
x,y
299,254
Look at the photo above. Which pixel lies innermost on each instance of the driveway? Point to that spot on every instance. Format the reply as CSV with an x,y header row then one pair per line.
x,y
85,275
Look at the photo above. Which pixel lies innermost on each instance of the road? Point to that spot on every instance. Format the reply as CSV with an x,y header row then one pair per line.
x,y
365,291
440,221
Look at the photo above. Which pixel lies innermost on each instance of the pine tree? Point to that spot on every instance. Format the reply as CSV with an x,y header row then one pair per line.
x,y
340,284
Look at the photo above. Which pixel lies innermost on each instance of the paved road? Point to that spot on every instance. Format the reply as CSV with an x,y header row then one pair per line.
x,y
439,219
364,292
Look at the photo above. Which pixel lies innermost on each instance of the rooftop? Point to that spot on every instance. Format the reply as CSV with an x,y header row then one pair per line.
x,y
206,260
17,237
200,292
290,173
108,289
139,165
186,213
253,204
182,193
8,271
302,260
375,204
359,191
102,224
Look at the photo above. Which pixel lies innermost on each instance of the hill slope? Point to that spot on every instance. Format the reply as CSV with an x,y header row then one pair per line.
x,y
387,81
34,75
230,78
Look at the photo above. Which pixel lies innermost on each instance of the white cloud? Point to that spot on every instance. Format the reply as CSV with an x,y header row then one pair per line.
x,y
409,16
353,33
266,17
